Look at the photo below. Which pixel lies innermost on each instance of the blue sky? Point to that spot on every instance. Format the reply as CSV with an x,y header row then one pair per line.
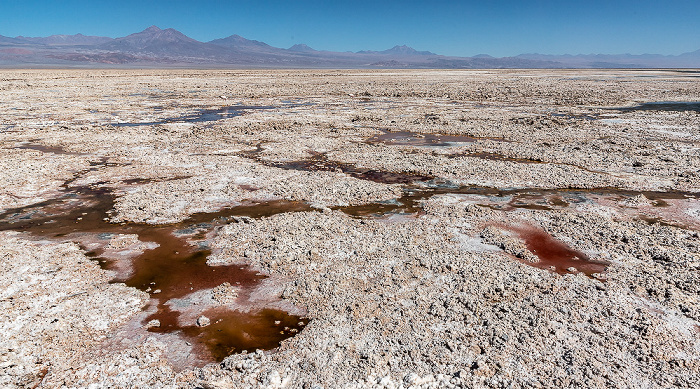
x,y
496,27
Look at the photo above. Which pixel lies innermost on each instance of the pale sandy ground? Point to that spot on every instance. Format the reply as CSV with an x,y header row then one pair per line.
x,y
431,300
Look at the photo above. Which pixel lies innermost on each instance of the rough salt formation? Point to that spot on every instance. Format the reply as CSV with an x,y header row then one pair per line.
x,y
30,176
55,305
443,298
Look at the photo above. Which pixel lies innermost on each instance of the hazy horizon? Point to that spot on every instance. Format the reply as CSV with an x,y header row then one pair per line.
x,y
498,28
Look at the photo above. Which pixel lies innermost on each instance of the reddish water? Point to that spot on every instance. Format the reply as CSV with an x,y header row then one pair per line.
x,y
555,255
174,269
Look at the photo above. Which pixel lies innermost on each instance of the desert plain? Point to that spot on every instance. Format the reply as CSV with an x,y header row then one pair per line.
x,y
349,228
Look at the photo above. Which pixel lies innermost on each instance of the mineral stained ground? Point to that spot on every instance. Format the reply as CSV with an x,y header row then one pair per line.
x,y
402,229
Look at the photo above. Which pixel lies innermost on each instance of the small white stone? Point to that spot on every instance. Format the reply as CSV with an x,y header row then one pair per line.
x,y
203,321
153,323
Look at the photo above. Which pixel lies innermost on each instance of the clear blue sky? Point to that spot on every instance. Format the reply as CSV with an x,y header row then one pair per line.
x,y
496,27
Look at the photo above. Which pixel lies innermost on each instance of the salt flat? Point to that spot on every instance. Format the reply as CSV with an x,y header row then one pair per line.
x,y
418,228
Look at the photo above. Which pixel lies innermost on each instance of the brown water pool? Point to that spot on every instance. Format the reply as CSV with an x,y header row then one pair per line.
x,y
174,269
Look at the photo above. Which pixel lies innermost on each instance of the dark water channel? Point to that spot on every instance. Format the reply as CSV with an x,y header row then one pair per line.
x,y
319,162
677,106
408,138
201,116
493,157
211,115
174,269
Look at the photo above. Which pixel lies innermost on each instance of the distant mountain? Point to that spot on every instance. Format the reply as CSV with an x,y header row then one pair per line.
x,y
68,40
398,51
405,51
441,62
620,60
153,40
239,43
692,54
7,40
154,47
301,48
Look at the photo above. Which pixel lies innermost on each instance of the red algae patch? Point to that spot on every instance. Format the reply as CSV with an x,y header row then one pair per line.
x,y
554,254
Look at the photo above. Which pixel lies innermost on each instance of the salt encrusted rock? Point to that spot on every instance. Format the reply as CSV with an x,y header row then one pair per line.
x,y
155,323
203,321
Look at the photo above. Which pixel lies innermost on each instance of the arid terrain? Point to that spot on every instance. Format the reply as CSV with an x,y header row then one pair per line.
x,y
359,229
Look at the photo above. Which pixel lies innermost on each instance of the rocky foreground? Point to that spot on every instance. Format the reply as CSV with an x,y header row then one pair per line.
x,y
398,229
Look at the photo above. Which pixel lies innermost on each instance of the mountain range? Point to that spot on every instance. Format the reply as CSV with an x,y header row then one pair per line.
x,y
155,47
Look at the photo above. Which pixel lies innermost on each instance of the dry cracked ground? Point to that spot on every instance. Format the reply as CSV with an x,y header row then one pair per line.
x,y
322,229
